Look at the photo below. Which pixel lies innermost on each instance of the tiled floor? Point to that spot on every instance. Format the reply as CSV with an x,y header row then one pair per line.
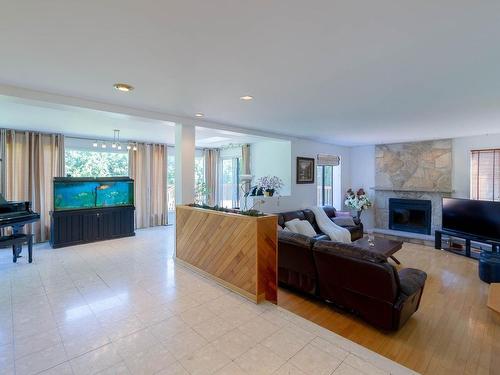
x,y
124,307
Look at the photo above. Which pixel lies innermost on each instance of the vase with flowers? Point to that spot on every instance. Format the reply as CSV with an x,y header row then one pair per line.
x,y
358,201
270,185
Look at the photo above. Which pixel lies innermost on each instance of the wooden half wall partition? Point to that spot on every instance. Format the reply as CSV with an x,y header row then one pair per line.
x,y
238,251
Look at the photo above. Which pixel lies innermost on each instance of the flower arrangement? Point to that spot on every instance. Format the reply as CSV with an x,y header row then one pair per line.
x,y
270,184
358,201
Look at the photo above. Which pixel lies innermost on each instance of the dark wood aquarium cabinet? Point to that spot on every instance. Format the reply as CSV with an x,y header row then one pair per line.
x,y
75,227
91,209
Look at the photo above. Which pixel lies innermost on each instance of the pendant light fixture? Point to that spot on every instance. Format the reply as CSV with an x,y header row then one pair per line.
x,y
116,144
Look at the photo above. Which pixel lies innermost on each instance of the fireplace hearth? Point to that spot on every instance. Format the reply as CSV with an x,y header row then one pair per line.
x,y
410,215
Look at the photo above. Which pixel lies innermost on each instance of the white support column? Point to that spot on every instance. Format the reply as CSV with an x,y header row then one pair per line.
x,y
184,163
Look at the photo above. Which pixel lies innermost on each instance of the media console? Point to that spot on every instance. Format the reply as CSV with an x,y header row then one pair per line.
x,y
495,245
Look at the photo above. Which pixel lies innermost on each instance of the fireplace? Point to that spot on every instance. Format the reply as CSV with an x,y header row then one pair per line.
x,y
410,215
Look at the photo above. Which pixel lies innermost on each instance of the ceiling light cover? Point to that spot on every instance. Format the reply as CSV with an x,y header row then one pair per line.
x,y
124,87
199,115
246,97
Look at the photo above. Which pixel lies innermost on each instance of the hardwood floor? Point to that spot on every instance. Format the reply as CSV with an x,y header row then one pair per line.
x,y
453,332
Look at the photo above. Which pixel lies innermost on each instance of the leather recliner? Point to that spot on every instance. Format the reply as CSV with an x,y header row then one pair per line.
x,y
366,284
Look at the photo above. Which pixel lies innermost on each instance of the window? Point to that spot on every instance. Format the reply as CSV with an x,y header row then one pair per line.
x,y
485,175
324,185
230,195
83,163
199,170
200,188
171,179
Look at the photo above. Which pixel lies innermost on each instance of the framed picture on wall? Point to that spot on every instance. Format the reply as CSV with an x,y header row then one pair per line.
x,y
305,170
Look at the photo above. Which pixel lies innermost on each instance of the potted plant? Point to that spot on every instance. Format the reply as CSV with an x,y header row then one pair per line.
x,y
270,185
358,201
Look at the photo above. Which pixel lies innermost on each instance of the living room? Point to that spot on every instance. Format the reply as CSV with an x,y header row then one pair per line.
x,y
258,188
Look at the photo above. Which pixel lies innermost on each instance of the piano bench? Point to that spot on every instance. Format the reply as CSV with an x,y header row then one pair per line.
x,y
17,241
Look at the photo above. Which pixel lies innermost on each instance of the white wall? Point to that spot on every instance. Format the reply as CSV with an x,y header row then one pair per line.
x,y
461,160
272,158
304,195
363,176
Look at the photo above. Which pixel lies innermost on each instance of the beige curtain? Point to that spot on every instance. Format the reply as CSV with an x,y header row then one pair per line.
x,y
32,160
212,174
148,168
3,145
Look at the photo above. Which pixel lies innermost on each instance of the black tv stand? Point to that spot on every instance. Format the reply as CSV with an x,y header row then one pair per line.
x,y
495,246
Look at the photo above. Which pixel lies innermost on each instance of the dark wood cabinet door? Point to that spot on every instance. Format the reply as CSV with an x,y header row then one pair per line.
x,y
90,227
82,226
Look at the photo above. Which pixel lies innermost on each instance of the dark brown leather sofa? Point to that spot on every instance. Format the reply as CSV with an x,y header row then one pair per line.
x,y
366,284
346,275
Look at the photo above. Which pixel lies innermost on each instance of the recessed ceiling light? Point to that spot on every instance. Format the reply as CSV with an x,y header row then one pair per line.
x,y
246,97
199,114
123,87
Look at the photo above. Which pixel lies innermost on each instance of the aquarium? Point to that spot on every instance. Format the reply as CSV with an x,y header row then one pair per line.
x,y
73,193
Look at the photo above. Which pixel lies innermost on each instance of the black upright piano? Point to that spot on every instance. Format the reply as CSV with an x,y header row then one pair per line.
x,y
16,215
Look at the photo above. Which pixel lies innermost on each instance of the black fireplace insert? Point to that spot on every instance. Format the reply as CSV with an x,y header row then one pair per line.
x,y
410,215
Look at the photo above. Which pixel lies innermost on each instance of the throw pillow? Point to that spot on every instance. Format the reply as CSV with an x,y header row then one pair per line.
x,y
343,221
301,226
290,225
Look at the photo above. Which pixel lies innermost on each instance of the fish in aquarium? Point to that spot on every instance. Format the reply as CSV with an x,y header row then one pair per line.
x,y
70,194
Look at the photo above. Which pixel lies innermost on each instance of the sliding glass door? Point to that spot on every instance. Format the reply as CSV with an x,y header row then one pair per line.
x,y
325,185
230,192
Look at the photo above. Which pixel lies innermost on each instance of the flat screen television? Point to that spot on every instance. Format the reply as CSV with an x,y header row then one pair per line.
x,y
473,217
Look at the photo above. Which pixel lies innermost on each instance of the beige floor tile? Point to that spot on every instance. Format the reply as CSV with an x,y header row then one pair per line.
x,y
288,369
259,360
330,348
204,361
184,343
6,356
62,369
118,369
136,342
363,365
77,345
155,315
231,369
312,360
35,343
259,328
196,315
168,328
96,360
41,360
149,361
286,343
234,343
214,328
345,369
173,369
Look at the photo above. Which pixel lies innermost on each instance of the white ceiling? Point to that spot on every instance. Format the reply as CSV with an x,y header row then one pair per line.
x,y
87,123
346,72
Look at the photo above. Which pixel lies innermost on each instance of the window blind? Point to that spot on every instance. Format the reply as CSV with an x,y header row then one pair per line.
x,y
485,175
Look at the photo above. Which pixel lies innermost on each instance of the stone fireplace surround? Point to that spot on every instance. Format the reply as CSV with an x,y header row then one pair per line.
x,y
418,170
